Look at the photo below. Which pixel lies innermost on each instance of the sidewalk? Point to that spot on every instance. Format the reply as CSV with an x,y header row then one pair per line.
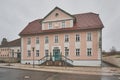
x,y
75,70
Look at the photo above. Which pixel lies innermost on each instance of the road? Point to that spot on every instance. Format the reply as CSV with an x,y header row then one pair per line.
x,y
15,74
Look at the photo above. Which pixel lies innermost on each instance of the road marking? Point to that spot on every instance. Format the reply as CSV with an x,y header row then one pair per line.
x,y
26,77
118,77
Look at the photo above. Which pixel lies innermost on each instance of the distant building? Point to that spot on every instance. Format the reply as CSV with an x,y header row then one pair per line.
x,y
61,38
10,49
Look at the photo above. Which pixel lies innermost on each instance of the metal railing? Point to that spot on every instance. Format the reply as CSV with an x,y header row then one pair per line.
x,y
51,57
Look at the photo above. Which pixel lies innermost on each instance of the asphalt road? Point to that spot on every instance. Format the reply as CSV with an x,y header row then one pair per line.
x,y
15,74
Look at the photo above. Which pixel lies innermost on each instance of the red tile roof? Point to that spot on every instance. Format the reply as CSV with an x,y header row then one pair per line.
x,y
14,43
83,21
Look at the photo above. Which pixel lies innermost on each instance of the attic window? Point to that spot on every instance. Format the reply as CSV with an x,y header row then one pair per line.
x,y
56,14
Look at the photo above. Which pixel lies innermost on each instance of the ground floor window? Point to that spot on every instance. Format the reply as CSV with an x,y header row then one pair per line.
x,y
37,53
46,53
77,52
66,51
29,53
89,51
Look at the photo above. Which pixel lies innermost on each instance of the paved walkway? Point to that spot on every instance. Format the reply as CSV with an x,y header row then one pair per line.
x,y
76,70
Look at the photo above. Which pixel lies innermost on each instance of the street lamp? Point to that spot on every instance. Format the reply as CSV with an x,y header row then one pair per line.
x,y
33,48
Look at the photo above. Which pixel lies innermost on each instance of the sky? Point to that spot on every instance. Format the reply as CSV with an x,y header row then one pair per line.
x,y
16,14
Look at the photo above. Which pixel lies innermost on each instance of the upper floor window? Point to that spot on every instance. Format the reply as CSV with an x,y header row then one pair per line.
x,y
28,41
77,37
37,40
66,38
37,53
46,39
77,52
63,24
56,39
29,53
89,36
50,25
89,51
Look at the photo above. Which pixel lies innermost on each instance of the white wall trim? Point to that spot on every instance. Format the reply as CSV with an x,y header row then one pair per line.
x,y
87,62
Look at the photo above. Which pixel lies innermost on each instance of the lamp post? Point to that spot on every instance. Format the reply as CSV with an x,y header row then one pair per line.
x,y
33,48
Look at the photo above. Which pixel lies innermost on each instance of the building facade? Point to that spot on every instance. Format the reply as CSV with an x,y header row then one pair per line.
x,y
60,36
10,50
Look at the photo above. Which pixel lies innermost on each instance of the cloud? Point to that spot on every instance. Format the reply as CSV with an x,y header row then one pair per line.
x,y
16,14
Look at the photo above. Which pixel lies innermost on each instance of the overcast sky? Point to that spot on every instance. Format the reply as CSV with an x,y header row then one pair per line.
x,y
16,14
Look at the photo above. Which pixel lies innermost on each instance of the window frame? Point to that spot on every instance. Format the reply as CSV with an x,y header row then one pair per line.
x,y
56,39
37,40
77,52
77,37
89,51
66,39
46,52
28,41
89,36
63,24
66,51
37,53
29,53
46,39
50,25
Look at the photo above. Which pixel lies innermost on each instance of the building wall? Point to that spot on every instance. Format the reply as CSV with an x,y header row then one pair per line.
x,y
7,51
4,52
72,45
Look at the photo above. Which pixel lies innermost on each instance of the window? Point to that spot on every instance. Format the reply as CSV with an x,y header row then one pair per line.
x,y
50,25
46,53
46,39
18,50
77,37
56,14
29,53
77,52
63,24
66,38
37,40
12,53
37,53
56,39
66,51
28,41
89,36
89,51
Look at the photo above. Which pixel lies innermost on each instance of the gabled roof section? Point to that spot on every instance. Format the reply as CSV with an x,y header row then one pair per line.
x,y
82,21
14,43
60,10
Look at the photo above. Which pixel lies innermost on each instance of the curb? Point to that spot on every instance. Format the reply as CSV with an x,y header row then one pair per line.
x,y
64,70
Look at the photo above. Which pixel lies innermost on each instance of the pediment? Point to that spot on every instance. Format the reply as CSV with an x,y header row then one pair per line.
x,y
57,14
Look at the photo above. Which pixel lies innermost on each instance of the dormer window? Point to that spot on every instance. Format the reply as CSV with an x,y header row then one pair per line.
x,y
50,25
63,24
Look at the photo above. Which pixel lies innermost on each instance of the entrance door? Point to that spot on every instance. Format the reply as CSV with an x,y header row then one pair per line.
x,y
56,53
